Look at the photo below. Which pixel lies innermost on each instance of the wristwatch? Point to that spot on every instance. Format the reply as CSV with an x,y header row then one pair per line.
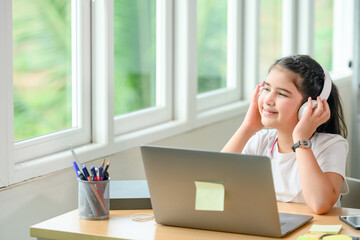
x,y
304,143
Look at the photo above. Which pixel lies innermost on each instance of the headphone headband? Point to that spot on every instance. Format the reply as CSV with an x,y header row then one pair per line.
x,y
325,93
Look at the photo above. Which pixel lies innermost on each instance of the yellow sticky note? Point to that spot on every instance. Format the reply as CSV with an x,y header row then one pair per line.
x,y
333,229
314,235
209,196
338,237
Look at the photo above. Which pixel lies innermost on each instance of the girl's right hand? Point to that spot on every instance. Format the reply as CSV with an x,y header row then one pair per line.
x,y
252,119
251,124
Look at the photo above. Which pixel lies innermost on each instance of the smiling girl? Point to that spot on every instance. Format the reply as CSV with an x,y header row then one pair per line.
x,y
308,155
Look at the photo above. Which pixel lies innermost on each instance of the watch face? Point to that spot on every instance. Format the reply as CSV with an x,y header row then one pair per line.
x,y
306,143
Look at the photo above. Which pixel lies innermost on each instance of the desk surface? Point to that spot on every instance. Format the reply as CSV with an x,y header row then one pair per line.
x,y
120,226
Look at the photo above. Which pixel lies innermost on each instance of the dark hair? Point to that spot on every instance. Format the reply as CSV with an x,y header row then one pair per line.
x,y
309,80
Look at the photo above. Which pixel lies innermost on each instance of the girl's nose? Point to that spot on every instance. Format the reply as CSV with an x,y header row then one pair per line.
x,y
269,98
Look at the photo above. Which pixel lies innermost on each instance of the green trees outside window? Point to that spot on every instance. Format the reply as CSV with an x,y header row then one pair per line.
x,y
212,44
134,55
42,67
323,32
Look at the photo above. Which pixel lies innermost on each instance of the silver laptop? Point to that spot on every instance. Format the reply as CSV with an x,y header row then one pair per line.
x,y
242,185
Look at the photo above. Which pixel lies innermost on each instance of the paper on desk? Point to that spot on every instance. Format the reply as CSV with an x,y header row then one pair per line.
x,y
333,229
209,196
338,237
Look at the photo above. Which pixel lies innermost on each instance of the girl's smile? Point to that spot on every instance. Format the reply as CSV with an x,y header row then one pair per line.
x,y
267,112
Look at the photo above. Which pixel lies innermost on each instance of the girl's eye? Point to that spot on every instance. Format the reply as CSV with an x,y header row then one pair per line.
x,y
266,89
282,94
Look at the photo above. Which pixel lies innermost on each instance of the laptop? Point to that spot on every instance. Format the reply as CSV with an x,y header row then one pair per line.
x,y
243,183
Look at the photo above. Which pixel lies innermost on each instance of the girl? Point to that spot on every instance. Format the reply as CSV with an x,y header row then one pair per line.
x,y
307,155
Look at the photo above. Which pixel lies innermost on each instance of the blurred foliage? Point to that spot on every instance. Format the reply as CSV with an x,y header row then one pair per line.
x,y
134,55
323,32
212,44
42,67
270,35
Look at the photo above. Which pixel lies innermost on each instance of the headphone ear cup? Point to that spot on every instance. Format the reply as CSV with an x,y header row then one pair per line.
x,y
304,107
302,110
260,90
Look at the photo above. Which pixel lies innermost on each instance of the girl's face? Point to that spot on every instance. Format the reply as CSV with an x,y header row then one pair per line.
x,y
280,100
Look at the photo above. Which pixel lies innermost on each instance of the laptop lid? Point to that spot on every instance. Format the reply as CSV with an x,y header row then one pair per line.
x,y
244,182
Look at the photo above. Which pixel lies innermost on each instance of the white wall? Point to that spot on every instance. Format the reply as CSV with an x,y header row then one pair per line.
x,y
42,198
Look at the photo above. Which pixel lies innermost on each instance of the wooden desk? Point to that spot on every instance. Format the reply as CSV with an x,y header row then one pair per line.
x,y
120,226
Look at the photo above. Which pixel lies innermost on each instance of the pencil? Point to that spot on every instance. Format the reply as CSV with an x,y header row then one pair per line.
x,y
103,163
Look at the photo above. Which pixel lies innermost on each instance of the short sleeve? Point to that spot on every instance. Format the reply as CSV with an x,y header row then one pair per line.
x,y
251,145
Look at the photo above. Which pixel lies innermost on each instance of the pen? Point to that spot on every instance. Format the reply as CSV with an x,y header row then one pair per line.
x,y
105,173
81,175
93,173
101,173
86,173
77,170
106,176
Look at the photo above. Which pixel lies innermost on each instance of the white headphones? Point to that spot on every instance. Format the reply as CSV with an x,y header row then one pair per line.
x,y
325,93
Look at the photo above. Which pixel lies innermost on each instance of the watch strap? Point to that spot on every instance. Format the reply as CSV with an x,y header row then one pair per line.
x,y
296,145
304,143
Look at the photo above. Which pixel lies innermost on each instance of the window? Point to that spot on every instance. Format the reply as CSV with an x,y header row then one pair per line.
x,y
212,44
106,76
323,32
42,67
51,82
134,55
218,51
270,34
140,87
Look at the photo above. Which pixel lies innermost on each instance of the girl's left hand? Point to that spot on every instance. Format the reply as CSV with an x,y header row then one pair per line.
x,y
312,119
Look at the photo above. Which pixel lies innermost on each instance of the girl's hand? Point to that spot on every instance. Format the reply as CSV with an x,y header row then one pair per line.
x,y
251,124
252,119
311,119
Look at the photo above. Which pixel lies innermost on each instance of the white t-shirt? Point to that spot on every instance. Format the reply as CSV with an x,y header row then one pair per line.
x,y
330,151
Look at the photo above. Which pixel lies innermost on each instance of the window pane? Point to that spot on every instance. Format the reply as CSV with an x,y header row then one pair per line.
x,y
212,44
134,55
323,32
42,67
270,34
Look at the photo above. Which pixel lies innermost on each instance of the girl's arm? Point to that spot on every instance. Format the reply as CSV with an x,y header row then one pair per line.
x,y
251,124
238,141
321,190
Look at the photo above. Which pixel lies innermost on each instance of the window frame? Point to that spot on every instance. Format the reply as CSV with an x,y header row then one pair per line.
x,y
343,28
57,141
298,36
39,155
6,94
